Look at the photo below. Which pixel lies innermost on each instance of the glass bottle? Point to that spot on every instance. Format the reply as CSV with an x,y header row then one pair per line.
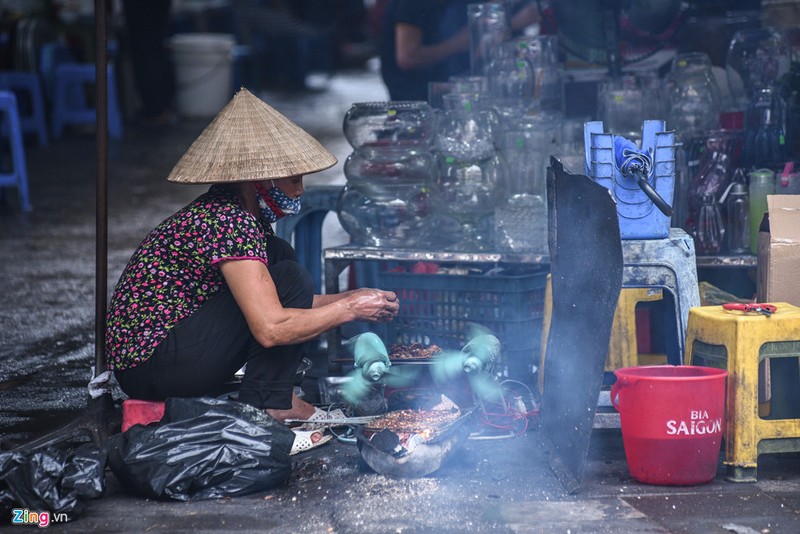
x,y
710,230
762,183
488,27
737,209
764,139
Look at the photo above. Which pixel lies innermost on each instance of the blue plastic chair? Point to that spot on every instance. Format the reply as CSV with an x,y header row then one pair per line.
x,y
27,86
18,177
70,105
307,228
66,81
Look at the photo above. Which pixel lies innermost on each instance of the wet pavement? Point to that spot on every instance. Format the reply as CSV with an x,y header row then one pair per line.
x,y
47,299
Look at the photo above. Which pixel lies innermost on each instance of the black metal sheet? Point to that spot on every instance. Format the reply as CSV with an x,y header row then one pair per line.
x,y
586,270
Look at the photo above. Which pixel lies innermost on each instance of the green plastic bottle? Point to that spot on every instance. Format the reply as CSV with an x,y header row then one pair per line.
x,y
762,183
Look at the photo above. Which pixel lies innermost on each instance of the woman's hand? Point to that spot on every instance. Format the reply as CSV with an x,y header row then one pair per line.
x,y
373,305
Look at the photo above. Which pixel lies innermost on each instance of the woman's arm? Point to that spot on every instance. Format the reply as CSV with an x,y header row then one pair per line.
x,y
412,54
272,324
324,300
526,16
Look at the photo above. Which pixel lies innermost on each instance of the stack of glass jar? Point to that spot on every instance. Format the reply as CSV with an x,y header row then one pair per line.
x,y
470,174
460,178
473,177
389,199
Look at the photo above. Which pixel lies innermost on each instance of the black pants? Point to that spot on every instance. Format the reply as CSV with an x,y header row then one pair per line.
x,y
204,351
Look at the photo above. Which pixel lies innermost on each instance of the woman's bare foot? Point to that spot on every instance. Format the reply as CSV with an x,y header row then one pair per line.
x,y
300,410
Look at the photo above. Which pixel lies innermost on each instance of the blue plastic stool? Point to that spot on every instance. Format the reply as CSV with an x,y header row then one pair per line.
x,y
69,101
19,176
307,228
29,84
669,264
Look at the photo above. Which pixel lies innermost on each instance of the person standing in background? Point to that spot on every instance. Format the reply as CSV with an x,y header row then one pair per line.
x,y
424,41
147,27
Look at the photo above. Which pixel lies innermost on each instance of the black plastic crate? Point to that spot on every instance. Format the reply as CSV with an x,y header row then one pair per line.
x,y
440,309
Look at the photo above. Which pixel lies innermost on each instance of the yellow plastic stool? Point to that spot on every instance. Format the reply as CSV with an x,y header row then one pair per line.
x,y
740,342
623,350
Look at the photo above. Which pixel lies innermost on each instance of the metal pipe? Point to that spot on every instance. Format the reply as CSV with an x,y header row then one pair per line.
x,y
101,197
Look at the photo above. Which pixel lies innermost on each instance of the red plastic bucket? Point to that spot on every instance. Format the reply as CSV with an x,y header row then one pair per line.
x,y
671,418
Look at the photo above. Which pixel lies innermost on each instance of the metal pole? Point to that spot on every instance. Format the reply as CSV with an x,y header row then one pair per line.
x,y
101,419
101,200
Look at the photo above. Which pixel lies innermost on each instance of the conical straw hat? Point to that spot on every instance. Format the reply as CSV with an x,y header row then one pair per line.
x,y
249,141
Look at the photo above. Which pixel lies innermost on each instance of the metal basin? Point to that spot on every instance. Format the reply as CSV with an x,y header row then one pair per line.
x,y
423,459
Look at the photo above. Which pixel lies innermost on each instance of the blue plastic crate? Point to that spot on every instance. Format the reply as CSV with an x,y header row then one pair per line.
x,y
440,308
639,218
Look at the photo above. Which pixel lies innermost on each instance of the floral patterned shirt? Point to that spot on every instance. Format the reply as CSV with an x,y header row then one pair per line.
x,y
174,271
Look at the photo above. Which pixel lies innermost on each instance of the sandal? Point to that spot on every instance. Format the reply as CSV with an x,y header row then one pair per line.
x,y
305,440
322,416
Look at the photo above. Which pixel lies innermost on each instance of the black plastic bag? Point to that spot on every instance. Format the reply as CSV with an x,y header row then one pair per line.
x,y
52,479
203,449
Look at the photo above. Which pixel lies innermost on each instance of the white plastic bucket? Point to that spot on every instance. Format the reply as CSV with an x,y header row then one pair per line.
x,y
203,72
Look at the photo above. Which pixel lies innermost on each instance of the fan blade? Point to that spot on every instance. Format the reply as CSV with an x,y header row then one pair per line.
x,y
356,388
476,330
485,386
447,366
401,376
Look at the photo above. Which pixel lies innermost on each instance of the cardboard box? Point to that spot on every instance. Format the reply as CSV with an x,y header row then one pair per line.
x,y
778,271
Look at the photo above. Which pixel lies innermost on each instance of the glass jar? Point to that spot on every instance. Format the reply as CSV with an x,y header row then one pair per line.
x,y
488,27
470,172
692,95
388,199
541,51
512,82
624,104
468,128
757,58
410,124
526,146
521,217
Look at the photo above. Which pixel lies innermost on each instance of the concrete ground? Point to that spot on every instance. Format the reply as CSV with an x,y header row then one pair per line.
x,y
47,299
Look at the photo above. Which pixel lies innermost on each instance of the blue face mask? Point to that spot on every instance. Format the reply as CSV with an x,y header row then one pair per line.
x,y
276,204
